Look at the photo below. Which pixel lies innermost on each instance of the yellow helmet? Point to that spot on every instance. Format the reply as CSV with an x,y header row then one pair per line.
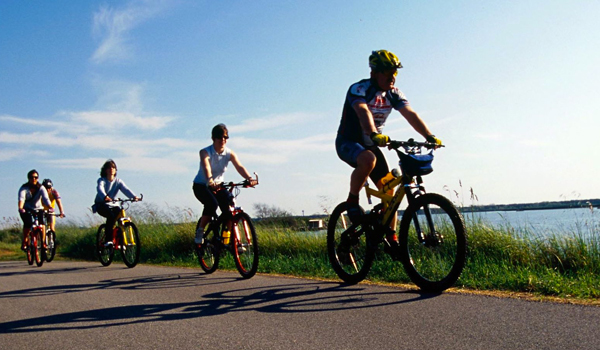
x,y
382,60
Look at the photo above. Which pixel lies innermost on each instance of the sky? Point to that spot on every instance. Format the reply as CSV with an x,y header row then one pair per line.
x,y
508,86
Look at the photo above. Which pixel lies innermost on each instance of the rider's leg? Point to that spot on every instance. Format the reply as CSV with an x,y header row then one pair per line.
x,y
365,163
207,198
26,228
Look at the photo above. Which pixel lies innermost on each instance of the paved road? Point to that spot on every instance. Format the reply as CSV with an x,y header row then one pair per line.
x,y
82,305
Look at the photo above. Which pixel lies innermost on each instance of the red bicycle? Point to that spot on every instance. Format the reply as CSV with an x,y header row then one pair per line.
x,y
241,242
35,239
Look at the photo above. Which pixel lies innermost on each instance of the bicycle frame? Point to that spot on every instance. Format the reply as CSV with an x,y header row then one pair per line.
x,y
121,220
36,224
405,186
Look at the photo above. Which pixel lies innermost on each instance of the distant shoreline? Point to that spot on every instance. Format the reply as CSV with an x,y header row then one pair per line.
x,y
571,204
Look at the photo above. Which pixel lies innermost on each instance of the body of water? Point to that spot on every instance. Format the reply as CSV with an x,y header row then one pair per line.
x,y
580,221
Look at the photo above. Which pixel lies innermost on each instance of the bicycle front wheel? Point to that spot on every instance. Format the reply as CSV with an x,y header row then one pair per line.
x,y
349,254
105,252
39,248
209,252
245,248
30,250
50,245
130,244
433,242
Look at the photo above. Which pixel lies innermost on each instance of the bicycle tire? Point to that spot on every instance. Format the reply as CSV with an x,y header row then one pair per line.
x,y
39,252
209,253
349,254
105,253
50,241
29,250
245,245
436,263
130,252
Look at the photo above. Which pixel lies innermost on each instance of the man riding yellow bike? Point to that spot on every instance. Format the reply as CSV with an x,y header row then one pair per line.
x,y
368,104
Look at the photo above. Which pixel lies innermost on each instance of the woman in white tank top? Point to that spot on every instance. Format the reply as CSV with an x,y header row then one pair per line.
x,y
213,164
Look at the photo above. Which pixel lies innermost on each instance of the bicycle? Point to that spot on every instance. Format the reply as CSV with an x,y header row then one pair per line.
x,y
50,238
243,243
35,243
125,238
432,239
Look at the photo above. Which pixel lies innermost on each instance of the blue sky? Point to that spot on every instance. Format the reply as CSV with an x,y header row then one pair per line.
x,y
509,87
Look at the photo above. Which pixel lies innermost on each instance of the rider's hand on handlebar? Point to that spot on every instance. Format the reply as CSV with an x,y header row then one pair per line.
x,y
379,139
212,185
433,139
62,215
252,182
21,210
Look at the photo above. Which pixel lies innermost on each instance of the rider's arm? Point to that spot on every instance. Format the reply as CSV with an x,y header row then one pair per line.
x,y
241,169
102,195
45,198
205,160
126,191
364,117
22,196
60,207
415,121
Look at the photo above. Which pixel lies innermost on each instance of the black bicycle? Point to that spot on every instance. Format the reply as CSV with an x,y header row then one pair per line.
x,y
241,242
432,237
50,238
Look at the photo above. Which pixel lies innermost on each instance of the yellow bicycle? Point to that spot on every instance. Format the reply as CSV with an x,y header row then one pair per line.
x,y
125,238
432,240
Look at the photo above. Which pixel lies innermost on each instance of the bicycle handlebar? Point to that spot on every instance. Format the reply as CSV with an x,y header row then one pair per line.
x,y
411,143
245,184
128,199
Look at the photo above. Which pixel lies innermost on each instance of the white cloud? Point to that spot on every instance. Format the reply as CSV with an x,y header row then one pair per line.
x,y
272,122
157,165
112,120
113,25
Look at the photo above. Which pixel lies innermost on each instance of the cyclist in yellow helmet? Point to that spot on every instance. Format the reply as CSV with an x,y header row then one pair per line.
x,y
368,104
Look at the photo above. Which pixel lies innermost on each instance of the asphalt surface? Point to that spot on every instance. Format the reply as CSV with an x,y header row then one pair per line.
x,y
80,305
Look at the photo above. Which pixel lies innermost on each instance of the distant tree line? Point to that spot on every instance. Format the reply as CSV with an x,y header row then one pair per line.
x,y
579,203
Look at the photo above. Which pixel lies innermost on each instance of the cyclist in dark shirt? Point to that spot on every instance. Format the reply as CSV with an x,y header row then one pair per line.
x,y
368,104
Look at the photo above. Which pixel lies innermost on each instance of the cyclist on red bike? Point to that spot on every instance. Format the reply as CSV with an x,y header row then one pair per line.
x,y
31,195
368,104
213,164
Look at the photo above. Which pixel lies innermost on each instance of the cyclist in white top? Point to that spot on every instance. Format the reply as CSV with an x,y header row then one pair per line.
x,y
213,164
31,197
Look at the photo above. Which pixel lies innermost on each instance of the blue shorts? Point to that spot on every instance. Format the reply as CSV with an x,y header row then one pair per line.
x,y
348,151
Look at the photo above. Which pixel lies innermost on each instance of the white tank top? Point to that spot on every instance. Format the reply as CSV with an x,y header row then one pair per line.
x,y
218,165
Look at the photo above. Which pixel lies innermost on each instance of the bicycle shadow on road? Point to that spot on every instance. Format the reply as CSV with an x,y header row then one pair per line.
x,y
297,297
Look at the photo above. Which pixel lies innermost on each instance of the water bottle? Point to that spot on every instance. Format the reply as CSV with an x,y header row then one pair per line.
x,y
226,235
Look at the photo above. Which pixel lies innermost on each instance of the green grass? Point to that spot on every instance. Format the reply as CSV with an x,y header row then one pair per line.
x,y
564,264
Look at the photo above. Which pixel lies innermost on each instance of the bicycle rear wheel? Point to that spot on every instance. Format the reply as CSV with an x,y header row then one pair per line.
x,y
245,248
39,248
349,254
50,245
105,252
433,242
130,244
209,252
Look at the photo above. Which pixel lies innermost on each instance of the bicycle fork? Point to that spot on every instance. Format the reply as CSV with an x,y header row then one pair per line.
x,y
433,238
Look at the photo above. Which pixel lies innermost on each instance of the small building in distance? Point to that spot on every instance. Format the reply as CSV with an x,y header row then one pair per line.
x,y
315,224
